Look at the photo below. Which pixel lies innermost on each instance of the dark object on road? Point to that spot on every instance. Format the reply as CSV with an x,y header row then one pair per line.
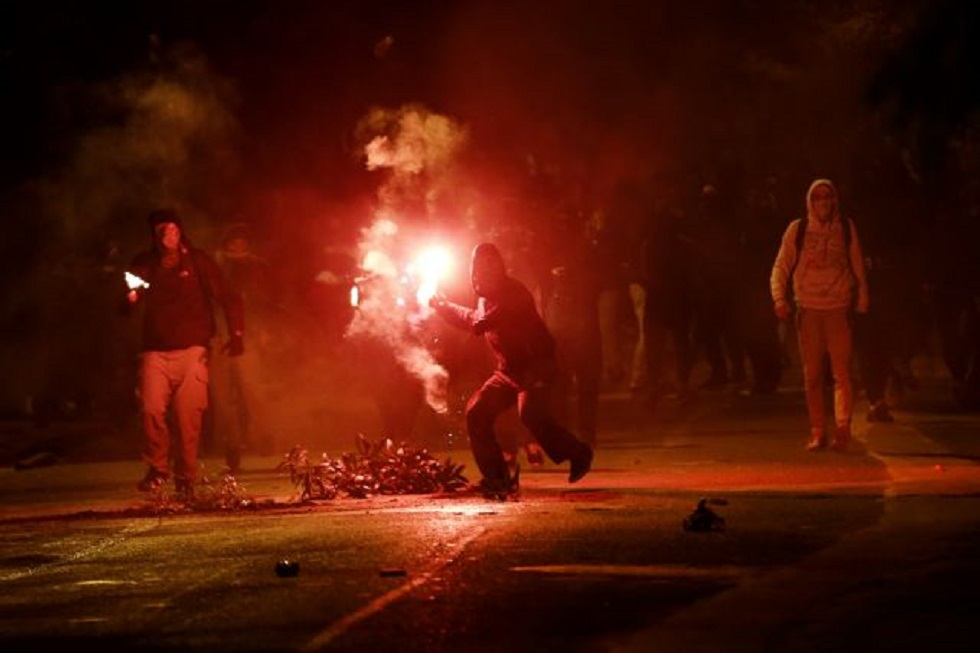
x,y
704,519
287,569
392,572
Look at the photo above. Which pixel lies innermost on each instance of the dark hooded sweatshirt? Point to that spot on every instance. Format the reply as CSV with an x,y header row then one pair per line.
x,y
511,325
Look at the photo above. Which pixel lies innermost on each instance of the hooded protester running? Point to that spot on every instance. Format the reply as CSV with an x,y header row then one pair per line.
x,y
820,260
526,369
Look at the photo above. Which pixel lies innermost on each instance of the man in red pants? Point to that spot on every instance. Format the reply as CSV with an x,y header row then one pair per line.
x,y
526,369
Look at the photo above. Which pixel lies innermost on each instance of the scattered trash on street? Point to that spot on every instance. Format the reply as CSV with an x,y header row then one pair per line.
x,y
704,519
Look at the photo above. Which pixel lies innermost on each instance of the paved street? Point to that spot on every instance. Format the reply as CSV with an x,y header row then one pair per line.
x,y
871,549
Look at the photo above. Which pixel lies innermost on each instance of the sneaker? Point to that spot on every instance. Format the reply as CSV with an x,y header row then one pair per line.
x,y
581,463
842,436
879,413
498,489
152,481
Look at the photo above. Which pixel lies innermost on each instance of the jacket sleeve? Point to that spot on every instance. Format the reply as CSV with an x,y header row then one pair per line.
x,y
860,274
779,280
228,298
459,316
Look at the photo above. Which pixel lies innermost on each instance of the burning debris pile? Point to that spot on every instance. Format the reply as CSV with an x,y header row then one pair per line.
x,y
376,468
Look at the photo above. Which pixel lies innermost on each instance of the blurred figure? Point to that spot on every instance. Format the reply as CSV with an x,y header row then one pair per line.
x,y
609,254
665,264
874,337
240,384
953,286
571,311
506,316
820,261
763,346
180,282
719,263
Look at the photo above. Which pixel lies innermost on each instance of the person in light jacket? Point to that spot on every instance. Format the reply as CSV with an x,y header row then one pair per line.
x,y
820,262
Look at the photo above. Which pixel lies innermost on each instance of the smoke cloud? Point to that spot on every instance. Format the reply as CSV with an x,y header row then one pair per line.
x,y
163,135
416,149
169,138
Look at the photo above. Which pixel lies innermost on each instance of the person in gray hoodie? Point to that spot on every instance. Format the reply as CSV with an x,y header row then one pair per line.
x,y
820,262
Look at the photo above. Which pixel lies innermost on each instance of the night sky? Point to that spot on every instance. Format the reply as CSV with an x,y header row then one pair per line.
x,y
254,111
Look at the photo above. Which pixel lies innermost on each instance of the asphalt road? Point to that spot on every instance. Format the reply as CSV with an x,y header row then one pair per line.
x,y
870,550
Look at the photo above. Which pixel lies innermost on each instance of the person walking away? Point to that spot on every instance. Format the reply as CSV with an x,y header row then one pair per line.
x,y
820,260
526,369
181,282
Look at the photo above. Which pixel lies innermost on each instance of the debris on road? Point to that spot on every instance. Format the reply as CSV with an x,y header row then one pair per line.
x,y
704,519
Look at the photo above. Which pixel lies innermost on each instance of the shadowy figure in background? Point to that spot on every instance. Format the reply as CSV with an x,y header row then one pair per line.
x,y
820,260
181,281
240,384
507,317
571,311
665,263
874,341
719,265
763,347
952,277
605,241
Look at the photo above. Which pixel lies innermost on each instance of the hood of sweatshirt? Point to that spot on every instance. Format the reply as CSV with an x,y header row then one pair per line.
x,y
818,183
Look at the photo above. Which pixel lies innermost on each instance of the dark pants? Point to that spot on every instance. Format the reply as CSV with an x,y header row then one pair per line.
x,y
533,396
871,350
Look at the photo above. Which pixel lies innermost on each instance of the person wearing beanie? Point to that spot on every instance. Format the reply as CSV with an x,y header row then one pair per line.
x,y
179,285
821,263
526,369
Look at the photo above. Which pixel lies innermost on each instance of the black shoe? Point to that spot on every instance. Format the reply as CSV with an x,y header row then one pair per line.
x,y
581,464
498,489
152,481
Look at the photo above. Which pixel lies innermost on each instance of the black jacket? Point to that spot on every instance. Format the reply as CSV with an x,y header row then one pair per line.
x,y
178,302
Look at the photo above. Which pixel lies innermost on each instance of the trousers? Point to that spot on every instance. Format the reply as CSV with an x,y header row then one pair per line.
x,y
823,332
173,382
533,396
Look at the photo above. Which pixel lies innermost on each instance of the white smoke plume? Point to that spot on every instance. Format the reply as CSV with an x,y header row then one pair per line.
x,y
416,149
170,138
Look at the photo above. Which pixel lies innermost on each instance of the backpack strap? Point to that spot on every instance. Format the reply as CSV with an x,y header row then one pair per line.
x,y
800,236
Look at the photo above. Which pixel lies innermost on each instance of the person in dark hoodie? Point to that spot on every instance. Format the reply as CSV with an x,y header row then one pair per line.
x,y
526,369
820,259
176,285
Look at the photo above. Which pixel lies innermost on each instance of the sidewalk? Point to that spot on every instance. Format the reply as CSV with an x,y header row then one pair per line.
x,y
718,442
